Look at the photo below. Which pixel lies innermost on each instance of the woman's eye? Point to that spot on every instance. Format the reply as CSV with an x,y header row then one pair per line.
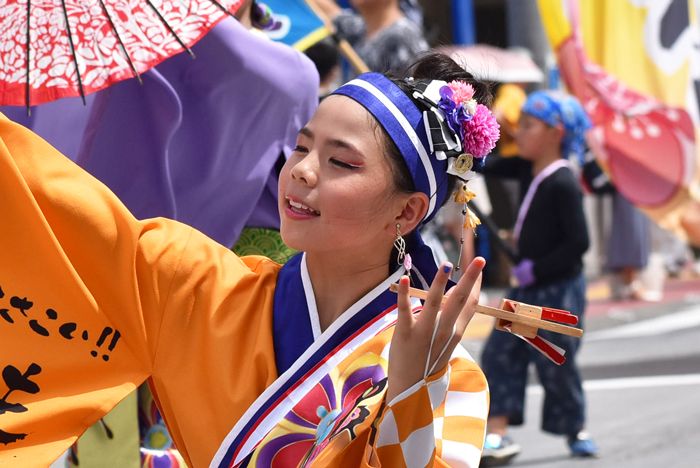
x,y
300,149
342,164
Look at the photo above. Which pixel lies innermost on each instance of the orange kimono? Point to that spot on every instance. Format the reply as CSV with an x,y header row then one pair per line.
x,y
93,302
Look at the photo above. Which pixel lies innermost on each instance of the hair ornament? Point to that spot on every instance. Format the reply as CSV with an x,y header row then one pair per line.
x,y
471,220
459,129
464,194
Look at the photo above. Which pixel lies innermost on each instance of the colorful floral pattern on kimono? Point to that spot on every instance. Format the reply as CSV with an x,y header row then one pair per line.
x,y
339,406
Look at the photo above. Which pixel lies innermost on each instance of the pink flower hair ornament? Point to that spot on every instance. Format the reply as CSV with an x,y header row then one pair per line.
x,y
460,130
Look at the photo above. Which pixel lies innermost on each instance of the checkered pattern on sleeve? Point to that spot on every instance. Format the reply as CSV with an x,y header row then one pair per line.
x,y
439,422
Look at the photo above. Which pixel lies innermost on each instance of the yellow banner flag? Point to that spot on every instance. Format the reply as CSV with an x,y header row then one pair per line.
x,y
634,66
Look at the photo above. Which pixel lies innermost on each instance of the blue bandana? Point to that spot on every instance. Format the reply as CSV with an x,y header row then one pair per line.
x,y
403,121
556,108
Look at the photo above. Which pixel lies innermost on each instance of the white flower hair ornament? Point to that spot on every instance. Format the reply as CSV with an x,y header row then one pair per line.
x,y
460,130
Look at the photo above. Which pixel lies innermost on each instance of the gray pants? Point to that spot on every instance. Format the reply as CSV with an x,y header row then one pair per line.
x,y
506,359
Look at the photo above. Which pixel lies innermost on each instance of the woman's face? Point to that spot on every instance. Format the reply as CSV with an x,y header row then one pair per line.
x,y
335,190
535,138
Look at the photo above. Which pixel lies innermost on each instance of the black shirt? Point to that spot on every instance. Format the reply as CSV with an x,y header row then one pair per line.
x,y
554,234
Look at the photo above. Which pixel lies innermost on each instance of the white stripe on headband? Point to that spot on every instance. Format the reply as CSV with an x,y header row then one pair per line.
x,y
425,160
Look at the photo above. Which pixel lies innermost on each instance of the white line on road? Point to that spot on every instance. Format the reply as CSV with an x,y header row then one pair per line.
x,y
632,382
666,323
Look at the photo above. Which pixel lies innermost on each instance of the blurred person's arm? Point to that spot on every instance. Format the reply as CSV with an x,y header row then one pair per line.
x,y
509,168
348,24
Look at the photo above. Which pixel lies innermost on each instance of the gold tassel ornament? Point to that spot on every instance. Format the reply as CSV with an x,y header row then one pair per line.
x,y
471,220
463,194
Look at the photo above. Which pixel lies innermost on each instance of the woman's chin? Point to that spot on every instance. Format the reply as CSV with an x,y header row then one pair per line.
x,y
293,240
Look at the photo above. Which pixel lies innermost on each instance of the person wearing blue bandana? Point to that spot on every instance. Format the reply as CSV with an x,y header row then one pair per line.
x,y
551,237
316,363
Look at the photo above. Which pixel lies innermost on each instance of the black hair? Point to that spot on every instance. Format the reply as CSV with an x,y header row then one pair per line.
x,y
325,55
432,66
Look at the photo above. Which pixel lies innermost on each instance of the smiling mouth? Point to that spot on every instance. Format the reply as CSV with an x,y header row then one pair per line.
x,y
302,209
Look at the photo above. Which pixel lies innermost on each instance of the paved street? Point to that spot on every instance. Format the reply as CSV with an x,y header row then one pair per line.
x,y
641,365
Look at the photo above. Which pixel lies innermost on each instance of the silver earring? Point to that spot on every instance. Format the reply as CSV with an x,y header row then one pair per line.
x,y
403,258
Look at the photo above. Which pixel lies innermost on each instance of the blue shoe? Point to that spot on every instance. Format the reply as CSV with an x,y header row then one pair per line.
x,y
498,450
581,445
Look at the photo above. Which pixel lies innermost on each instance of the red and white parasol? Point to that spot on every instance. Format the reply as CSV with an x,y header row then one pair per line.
x,y
51,49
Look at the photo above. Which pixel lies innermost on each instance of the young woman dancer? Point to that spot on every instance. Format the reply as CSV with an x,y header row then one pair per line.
x,y
253,364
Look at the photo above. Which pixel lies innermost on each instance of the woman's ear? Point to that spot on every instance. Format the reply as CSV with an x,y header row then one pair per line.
x,y
413,209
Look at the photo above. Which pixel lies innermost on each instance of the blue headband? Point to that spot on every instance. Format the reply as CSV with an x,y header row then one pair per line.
x,y
403,121
556,108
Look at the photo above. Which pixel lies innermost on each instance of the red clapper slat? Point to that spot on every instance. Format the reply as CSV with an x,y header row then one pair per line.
x,y
554,315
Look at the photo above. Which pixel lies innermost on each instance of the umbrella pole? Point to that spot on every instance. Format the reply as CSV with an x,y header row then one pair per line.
x,y
172,31
121,43
72,51
29,110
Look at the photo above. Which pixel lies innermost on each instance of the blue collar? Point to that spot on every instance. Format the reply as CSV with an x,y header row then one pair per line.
x,y
295,322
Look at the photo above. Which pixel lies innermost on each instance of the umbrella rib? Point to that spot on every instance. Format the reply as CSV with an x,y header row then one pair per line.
x,y
72,51
29,4
172,31
121,43
223,8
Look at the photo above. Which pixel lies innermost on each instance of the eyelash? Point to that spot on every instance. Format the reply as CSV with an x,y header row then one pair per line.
x,y
343,165
335,162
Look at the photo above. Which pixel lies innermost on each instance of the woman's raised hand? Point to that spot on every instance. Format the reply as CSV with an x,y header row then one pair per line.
x,y
408,357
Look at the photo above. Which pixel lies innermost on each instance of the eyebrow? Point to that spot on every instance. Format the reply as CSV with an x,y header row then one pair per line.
x,y
335,143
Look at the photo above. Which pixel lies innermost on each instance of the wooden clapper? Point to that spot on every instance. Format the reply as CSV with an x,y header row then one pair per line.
x,y
524,321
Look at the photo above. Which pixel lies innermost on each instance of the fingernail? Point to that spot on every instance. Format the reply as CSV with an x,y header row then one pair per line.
x,y
447,268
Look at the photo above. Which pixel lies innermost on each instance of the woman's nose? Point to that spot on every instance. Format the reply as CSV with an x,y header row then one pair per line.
x,y
306,170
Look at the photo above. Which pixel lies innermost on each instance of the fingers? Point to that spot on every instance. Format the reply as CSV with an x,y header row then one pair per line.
x,y
433,303
456,314
470,307
405,315
461,293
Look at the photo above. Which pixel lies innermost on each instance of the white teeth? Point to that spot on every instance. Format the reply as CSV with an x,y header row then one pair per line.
x,y
301,206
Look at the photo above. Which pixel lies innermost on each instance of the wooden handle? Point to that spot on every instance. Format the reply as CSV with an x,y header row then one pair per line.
x,y
355,61
505,315
344,46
